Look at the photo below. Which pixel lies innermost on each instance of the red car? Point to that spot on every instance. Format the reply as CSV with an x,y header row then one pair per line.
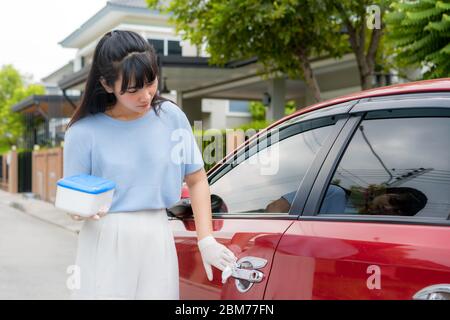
x,y
346,199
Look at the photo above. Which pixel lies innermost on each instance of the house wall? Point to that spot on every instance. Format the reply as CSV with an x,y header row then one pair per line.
x,y
216,109
235,120
218,114
51,81
160,30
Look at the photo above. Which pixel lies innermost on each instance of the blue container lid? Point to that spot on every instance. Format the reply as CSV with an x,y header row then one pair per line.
x,y
87,183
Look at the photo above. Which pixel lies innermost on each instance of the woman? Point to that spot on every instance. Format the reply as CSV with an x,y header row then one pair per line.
x,y
124,131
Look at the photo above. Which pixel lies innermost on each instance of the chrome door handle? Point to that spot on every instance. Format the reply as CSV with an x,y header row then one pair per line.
x,y
435,292
251,262
246,274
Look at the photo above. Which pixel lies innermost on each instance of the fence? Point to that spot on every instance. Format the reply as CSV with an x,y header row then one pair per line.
x,y
24,174
9,172
3,173
46,171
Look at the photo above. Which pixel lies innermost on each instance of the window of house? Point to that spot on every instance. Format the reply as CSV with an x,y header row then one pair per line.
x,y
239,106
166,47
174,48
158,45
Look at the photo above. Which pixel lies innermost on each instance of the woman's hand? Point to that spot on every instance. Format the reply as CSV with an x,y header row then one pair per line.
x,y
215,254
95,217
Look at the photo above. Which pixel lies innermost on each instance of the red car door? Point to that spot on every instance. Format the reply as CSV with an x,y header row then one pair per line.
x,y
254,244
347,260
385,233
252,214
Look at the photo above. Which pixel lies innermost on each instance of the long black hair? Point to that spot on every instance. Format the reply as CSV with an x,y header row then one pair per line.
x,y
118,53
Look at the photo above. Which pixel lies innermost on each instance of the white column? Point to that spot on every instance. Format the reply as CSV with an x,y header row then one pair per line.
x,y
277,91
192,107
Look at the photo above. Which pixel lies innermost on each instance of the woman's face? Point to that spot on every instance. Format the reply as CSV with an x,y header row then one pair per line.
x,y
133,100
382,204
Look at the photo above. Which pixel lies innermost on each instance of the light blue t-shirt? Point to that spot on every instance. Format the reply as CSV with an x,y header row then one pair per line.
x,y
335,200
147,157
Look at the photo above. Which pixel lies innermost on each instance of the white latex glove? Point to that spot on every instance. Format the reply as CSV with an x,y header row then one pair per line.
x,y
215,254
228,272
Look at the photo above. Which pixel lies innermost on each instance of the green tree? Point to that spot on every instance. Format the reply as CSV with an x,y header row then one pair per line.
x,y
12,91
290,107
419,35
282,34
360,20
10,79
258,110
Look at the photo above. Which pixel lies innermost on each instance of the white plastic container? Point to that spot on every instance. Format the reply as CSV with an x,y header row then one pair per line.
x,y
84,195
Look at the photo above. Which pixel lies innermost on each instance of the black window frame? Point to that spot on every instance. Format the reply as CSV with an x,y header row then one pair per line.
x,y
179,53
154,41
420,105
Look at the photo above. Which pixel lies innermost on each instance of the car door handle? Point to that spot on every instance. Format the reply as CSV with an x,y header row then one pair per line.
x,y
435,292
246,274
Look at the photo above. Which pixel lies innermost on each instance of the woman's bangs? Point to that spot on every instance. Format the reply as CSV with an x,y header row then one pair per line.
x,y
137,71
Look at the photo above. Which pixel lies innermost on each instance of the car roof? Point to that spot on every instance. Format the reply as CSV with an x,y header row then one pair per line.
x,y
435,85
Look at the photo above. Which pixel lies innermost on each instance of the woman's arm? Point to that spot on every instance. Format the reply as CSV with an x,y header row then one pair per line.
x,y
212,252
197,183
77,159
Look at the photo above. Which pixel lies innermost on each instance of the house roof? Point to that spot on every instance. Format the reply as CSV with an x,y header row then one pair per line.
x,y
75,78
96,25
183,73
240,80
59,73
129,3
29,104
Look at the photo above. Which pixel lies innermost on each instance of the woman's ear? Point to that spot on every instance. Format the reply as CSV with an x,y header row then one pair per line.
x,y
105,85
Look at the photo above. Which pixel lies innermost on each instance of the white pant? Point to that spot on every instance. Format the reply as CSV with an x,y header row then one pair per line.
x,y
128,255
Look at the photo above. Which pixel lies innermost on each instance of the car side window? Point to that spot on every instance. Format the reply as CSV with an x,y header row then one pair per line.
x,y
266,181
395,167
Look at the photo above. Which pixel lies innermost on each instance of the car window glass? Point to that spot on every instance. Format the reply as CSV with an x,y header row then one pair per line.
x,y
396,167
266,182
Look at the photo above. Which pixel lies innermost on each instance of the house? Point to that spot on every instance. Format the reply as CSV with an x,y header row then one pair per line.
x,y
177,57
217,96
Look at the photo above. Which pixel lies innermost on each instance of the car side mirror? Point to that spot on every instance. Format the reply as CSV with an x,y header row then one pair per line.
x,y
183,209
217,204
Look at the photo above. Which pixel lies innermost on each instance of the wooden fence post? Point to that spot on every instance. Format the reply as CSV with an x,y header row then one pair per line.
x,y
13,174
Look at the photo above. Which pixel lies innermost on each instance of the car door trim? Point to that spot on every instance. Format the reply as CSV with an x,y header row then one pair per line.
x,y
436,100
333,157
307,182
377,219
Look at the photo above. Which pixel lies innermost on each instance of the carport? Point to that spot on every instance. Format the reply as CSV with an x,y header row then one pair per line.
x,y
44,114
194,79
